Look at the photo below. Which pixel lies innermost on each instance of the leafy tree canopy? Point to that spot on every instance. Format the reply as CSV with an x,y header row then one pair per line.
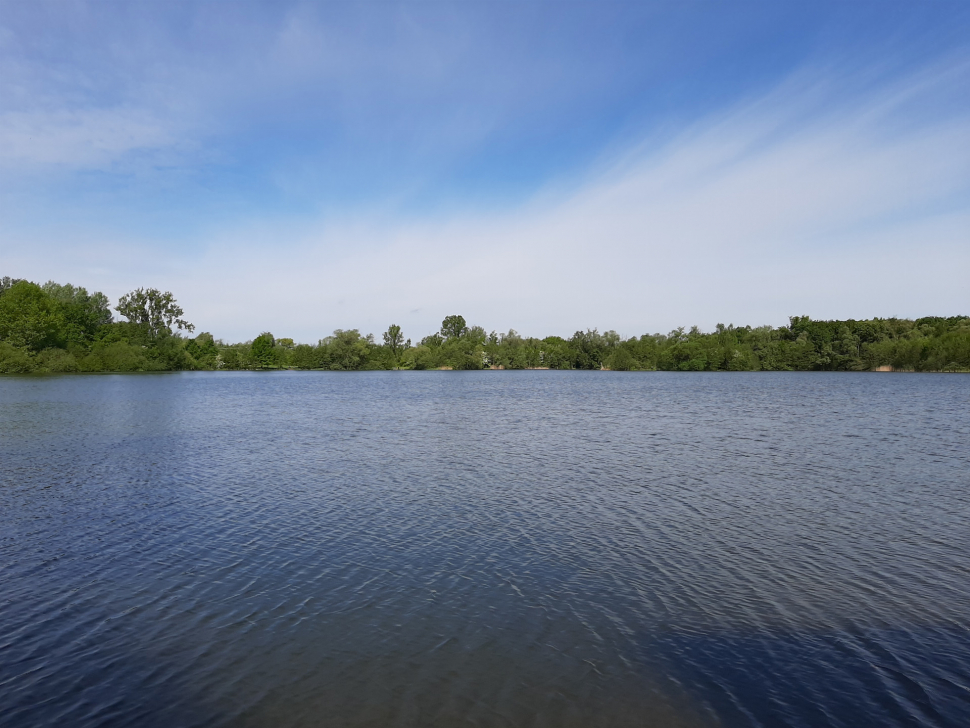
x,y
29,318
64,328
453,327
263,350
154,310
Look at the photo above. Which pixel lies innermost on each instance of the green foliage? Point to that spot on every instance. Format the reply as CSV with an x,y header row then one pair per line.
x,y
621,360
453,327
348,350
56,361
234,357
14,360
395,345
554,352
422,357
115,356
7,282
82,313
168,354
589,349
305,356
263,351
433,341
29,318
154,310
460,354
63,328
203,350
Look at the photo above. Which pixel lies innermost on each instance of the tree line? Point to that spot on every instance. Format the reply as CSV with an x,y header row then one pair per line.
x,y
64,328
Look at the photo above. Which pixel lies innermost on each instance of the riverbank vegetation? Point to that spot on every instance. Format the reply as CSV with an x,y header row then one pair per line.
x,y
63,328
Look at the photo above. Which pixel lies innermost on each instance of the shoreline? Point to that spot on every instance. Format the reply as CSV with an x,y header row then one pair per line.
x,y
878,370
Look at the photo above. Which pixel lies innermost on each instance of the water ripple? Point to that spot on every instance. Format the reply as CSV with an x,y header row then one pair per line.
x,y
485,548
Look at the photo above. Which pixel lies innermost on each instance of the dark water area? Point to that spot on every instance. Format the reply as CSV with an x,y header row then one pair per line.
x,y
485,549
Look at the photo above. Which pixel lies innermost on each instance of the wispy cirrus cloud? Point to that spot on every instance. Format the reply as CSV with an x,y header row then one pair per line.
x,y
82,138
302,167
793,202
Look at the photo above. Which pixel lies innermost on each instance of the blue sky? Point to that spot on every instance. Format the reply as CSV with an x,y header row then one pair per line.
x,y
299,167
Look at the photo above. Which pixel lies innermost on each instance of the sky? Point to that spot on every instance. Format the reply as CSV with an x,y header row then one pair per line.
x,y
542,166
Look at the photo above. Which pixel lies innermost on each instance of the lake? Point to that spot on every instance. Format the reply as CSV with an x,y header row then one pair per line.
x,y
532,548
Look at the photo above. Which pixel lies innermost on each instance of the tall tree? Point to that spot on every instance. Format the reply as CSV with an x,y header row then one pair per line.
x,y
29,318
263,350
394,341
7,282
454,327
84,313
154,310
348,350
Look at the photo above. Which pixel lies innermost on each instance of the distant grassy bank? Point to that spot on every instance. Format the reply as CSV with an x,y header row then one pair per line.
x,y
63,328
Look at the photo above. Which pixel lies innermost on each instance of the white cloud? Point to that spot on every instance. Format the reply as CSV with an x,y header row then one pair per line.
x,y
749,218
762,212
83,138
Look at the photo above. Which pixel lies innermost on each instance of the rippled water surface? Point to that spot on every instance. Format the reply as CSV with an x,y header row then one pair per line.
x,y
485,549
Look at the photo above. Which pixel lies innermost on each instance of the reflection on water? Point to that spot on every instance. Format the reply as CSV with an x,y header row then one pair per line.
x,y
485,549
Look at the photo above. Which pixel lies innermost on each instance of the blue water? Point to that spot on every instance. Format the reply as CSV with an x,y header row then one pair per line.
x,y
485,549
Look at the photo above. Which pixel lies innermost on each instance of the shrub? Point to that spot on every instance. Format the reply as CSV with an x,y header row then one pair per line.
x,y
118,356
14,360
56,361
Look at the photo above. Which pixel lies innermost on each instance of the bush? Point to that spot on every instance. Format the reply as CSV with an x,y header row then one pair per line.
x,y
621,360
203,350
14,360
235,357
304,356
421,357
169,354
118,356
29,318
263,350
57,361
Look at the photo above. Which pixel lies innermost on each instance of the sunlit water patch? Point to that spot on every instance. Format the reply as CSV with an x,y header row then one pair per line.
x,y
485,549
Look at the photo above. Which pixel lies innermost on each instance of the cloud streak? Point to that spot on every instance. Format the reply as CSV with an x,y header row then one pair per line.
x,y
839,190
86,139
748,216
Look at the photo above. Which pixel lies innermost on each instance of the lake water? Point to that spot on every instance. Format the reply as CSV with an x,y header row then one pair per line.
x,y
485,549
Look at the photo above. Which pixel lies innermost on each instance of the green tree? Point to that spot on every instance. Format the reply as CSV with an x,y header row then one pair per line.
x,y
14,360
621,360
8,282
83,313
453,327
284,352
433,341
157,312
422,357
116,356
29,318
232,357
263,350
305,356
590,349
555,353
203,350
394,342
349,350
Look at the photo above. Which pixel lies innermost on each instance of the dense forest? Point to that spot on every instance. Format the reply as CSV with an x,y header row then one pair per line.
x,y
63,328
